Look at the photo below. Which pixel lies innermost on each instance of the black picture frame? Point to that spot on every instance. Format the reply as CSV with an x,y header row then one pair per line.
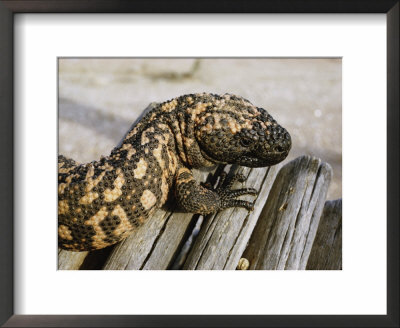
x,y
11,7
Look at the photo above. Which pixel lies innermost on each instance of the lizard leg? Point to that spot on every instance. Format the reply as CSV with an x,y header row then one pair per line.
x,y
204,199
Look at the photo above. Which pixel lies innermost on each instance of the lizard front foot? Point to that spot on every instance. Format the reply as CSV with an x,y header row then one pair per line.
x,y
204,199
228,196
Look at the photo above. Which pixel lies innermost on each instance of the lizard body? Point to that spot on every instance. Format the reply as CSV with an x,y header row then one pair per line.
x,y
102,202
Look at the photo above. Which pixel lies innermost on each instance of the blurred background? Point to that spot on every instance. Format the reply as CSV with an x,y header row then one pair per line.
x,y
99,99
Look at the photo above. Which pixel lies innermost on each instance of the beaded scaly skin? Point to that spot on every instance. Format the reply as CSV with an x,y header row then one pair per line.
x,y
102,202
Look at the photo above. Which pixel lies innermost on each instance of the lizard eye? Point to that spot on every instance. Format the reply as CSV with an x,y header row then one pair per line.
x,y
246,142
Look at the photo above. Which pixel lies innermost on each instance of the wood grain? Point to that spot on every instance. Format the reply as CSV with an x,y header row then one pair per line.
x,y
285,231
70,260
224,235
326,253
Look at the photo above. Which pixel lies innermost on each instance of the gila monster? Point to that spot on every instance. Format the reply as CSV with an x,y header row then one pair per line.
x,y
102,202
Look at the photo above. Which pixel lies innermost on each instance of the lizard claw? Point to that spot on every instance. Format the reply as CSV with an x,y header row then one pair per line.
x,y
228,196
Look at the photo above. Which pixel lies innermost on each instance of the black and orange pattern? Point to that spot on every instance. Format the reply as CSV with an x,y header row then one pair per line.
x,y
101,202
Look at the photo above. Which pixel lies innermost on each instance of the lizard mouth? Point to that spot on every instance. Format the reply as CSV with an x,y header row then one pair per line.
x,y
270,159
249,160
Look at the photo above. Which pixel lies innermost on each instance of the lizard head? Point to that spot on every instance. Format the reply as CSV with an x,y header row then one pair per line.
x,y
236,132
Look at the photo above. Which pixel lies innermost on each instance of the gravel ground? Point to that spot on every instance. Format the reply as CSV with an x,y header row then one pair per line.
x,y
100,98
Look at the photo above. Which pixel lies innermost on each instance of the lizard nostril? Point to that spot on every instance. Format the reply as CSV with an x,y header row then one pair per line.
x,y
279,149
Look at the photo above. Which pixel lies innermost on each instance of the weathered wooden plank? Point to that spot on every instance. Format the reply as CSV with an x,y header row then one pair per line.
x,y
285,231
326,252
70,260
155,244
224,235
